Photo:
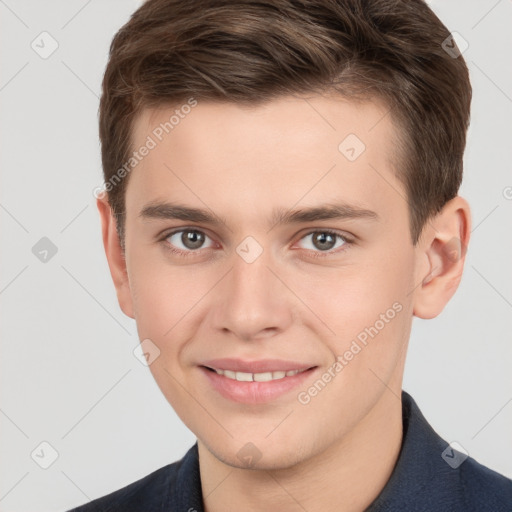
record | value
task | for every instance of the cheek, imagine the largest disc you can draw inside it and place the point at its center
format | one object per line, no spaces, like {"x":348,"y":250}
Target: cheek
{"x":167,"y":298}
{"x":380,"y":319}
{"x":157,"y":295}
{"x":369,"y":301}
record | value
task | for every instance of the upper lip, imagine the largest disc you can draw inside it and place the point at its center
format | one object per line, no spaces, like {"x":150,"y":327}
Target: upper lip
{"x":259,"y":366}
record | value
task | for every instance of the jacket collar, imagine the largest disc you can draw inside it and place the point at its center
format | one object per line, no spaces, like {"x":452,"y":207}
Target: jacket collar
{"x":419,"y":462}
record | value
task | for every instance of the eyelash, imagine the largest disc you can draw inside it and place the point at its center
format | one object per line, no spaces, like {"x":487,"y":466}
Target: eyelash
{"x":348,"y":242}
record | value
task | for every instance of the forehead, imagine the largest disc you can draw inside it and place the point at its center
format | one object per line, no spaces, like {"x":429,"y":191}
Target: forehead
{"x":247,"y":158}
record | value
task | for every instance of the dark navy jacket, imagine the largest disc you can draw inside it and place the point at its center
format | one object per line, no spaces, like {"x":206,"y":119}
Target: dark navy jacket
{"x":429,"y":476}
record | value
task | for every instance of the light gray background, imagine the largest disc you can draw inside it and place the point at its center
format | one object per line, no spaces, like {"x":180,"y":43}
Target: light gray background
{"x":68,"y":374}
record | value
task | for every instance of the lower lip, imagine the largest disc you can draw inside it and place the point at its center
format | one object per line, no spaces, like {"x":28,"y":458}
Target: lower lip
{"x":254,"y":392}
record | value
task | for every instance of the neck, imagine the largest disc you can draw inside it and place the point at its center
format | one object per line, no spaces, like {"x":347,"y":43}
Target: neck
{"x":345,"y":478}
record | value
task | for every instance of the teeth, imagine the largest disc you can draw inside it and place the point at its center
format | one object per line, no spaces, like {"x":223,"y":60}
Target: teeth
{"x":244,"y":377}
{"x":262,"y":377}
{"x":257,"y":377}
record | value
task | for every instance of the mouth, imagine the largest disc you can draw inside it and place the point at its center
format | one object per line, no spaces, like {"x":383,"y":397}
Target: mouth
{"x":256,"y":377}
{"x":256,"y":387}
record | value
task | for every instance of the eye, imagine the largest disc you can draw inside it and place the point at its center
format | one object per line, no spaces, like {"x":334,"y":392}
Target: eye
{"x":186,"y":240}
{"x":325,"y":241}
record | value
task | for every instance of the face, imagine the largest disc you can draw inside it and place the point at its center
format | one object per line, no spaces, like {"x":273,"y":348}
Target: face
{"x":265,"y":240}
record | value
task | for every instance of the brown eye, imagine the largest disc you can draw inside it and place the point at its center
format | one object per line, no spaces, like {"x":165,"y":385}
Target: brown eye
{"x":187,"y":239}
{"x":324,"y":241}
{"x":192,"y":239}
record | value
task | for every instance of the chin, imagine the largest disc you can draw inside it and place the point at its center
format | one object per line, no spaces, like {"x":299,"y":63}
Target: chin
{"x":257,"y":455}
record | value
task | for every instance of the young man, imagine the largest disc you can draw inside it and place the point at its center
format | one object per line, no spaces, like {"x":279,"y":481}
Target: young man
{"x":281,"y":200}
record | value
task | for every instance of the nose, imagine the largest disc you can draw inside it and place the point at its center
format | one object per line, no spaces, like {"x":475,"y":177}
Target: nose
{"x":252,"y":302}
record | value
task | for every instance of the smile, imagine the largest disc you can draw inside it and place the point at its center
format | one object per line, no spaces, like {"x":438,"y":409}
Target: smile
{"x":257,"y":377}
{"x":268,"y":381}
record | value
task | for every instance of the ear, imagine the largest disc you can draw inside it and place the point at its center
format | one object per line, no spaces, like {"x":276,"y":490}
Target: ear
{"x":441,"y":254}
{"x":115,"y":257}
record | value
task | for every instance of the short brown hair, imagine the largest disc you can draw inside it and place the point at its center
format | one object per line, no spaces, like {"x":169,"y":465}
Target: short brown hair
{"x":252,"y":51}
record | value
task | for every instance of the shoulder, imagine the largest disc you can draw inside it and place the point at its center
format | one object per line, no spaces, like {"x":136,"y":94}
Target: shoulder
{"x":151,"y":493}
{"x":145,"y":492}
{"x":430,"y":474}
{"x":483,"y":488}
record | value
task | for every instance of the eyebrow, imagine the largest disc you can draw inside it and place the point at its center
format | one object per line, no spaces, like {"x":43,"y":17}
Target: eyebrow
{"x":280,"y":216}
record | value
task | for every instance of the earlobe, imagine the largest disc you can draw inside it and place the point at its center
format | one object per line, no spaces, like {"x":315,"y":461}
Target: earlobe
{"x":443,"y":250}
{"x":115,"y":256}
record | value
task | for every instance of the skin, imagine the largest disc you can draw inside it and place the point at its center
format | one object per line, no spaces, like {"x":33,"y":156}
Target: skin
{"x":337,"y":451}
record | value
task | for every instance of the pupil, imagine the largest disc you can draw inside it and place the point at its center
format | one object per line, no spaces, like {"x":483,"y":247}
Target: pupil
{"x":321,"y":241}
{"x":192,"y":239}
